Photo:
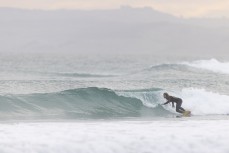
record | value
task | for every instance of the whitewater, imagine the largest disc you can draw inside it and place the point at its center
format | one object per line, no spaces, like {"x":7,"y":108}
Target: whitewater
{"x":102,"y":103}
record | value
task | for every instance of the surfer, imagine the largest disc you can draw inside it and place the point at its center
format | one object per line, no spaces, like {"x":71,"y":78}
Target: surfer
{"x":176,"y":100}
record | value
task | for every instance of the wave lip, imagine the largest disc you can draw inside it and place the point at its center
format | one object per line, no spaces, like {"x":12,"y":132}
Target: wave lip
{"x":211,"y":65}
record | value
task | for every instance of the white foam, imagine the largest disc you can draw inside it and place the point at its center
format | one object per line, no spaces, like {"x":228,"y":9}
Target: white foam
{"x":202,"y":102}
{"x":174,"y":136}
{"x":212,"y":65}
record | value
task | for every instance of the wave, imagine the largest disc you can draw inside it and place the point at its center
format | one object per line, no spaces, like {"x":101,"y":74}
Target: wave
{"x":68,"y":74}
{"x":211,"y":65}
{"x":170,"y":66}
{"x":101,"y":103}
{"x":83,"y":75}
{"x":83,"y":103}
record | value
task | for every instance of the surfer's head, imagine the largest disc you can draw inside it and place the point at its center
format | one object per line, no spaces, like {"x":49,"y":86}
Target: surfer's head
{"x":166,"y":95}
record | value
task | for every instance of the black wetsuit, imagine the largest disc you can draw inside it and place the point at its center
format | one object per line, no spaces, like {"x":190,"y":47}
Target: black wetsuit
{"x":178,"y":102}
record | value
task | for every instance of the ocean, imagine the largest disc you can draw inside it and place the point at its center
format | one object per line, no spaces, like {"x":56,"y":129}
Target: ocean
{"x":81,"y":103}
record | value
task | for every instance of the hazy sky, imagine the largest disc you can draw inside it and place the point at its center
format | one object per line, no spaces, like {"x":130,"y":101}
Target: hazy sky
{"x":186,"y":8}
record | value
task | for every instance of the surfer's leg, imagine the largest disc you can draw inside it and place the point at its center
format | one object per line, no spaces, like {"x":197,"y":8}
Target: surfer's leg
{"x":178,"y":107}
{"x":181,"y":107}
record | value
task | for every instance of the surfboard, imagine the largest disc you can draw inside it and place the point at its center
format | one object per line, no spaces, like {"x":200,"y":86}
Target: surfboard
{"x":187,"y":113}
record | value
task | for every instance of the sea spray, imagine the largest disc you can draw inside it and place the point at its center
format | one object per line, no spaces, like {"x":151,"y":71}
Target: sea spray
{"x":202,"y":102}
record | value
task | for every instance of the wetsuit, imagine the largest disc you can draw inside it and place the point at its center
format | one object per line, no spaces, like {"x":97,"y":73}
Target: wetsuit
{"x":178,"y":102}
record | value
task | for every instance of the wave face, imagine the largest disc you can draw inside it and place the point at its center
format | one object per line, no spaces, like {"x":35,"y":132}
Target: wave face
{"x":211,"y":65}
{"x":101,"y":103}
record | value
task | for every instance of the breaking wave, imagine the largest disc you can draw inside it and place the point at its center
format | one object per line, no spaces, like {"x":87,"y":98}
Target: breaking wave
{"x":102,"y":103}
{"x":77,"y":103}
{"x":210,"y":65}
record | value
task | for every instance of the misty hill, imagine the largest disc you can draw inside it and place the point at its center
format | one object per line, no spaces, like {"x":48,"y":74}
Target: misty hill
{"x":122,"y":30}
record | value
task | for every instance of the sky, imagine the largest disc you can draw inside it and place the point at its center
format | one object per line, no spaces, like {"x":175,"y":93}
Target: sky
{"x":184,"y":8}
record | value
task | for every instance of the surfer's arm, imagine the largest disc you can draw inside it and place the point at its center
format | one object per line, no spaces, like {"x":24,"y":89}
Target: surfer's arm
{"x":173,"y":104}
{"x":166,"y":103}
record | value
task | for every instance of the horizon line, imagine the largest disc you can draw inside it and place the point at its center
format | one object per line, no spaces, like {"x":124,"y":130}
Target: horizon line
{"x":110,"y":9}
